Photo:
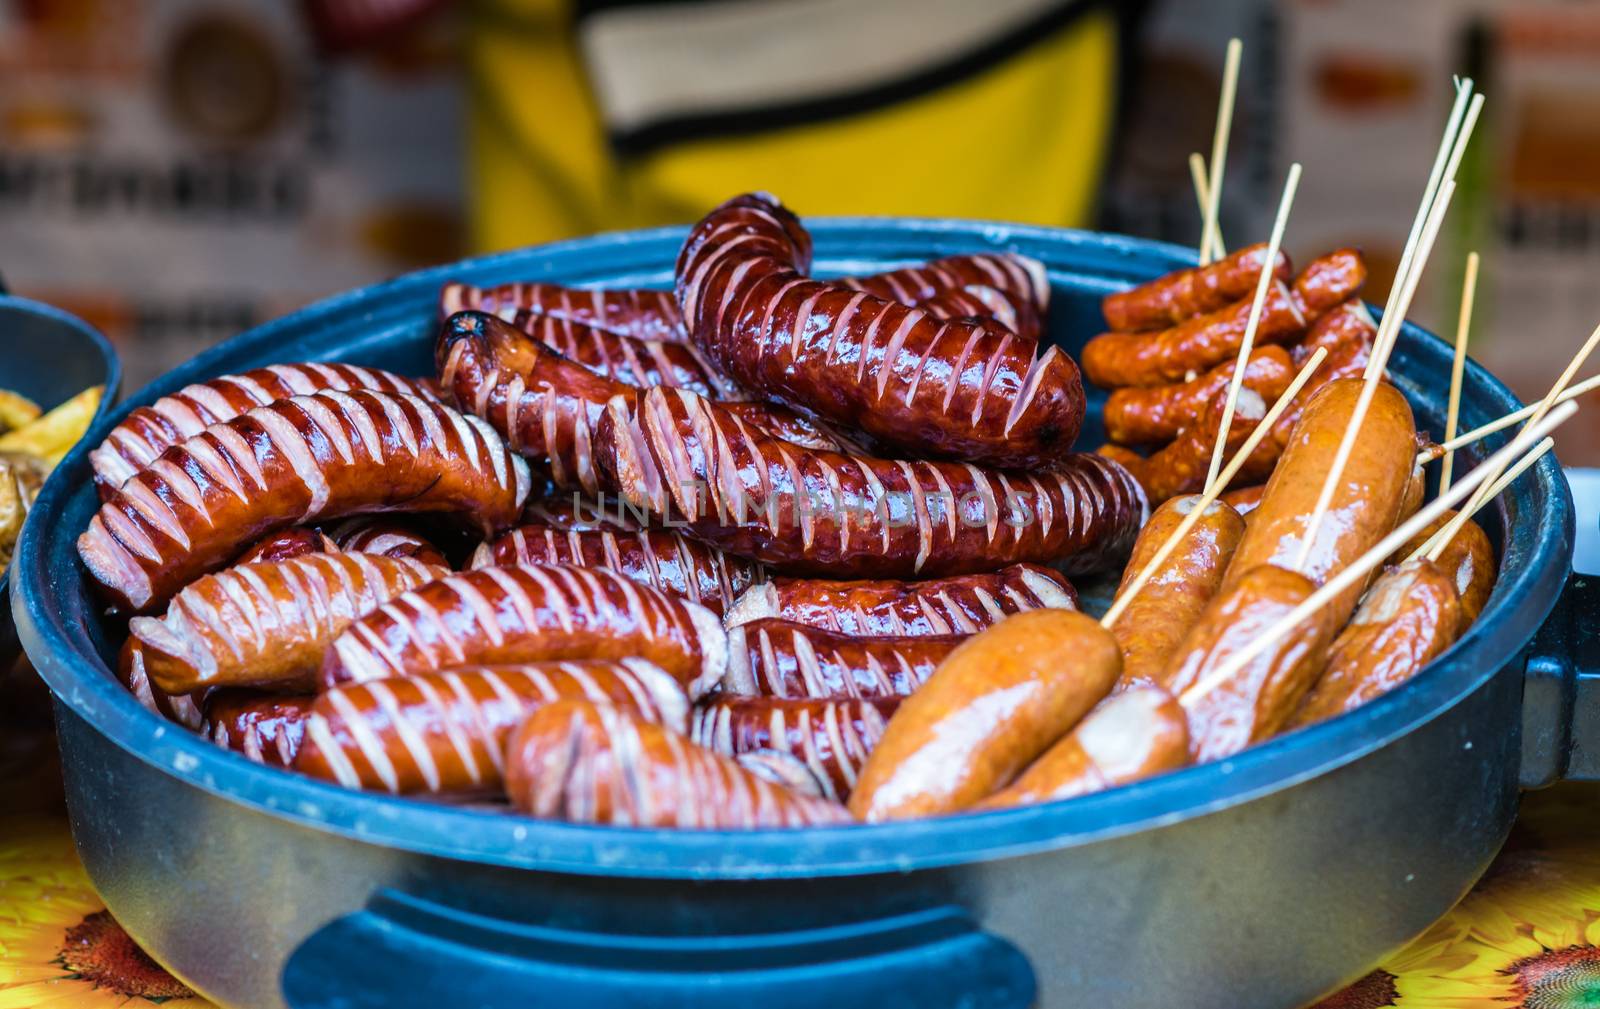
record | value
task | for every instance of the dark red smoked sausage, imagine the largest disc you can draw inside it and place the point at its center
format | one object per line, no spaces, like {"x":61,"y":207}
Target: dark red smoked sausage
{"x":831,"y":737}
{"x":964,"y":604}
{"x":287,"y":544}
{"x":776,"y":658}
{"x":288,"y":463}
{"x":962,"y":389}
{"x":1145,"y":416}
{"x":385,"y":537}
{"x":660,"y":559}
{"x":831,"y":513}
{"x":1183,"y":294}
{"x":639,"y":363}
{"x":266,"y":728}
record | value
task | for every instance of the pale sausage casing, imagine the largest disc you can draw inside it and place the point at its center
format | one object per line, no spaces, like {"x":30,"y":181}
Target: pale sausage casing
{"x":988,"y":711}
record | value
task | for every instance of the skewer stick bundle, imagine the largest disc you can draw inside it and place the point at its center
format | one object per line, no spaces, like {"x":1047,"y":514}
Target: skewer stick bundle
{"x":1501,"y":423}
{"x":1469,"y":288}
{"x":1219,"y":147}
{"x":1197,"y":174}
{"x":1434,"y":548}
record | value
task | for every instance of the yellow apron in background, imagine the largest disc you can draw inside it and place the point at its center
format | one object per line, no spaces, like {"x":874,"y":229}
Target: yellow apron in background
{"x":607,"y":115}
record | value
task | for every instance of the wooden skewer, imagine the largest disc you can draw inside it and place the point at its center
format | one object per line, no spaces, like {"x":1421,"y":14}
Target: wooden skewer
{"x":1214,"y":491}
{"x":1550,"y":397}
{"x":1219,"y":146}
{"x":1469,"y":290}
{"x":1377,"y":555}
{"x":1434,"y":548}
{"x":1263,"y":284}
{"x":1197,"y":174}
{"x":1436,"y":178}
{"x":1380,"y":356}
{"x":1501,"y":423}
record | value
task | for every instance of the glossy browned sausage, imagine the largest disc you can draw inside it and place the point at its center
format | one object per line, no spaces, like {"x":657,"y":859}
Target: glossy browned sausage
{"x":1409,"y":616}
{"x":445,"y":733}
{"x":265,"y":728}
{"x":990,"y":709}
{"x":980,"y":301}
{"x":631,"y":361}
{"x":1180,"y":467}
{"x":965,"y":389}
{"x":150,"y":430}
{"x":291,"y":462}
{"x":286,"y":544}
{"x":1245,"y":500}
{"x":1254,"y":703}
{"x":963,"y":604}
{"x":658,"y":558}
{"x":1020,"y":279}
{"x":588,"y":763}
{"x":776,"y":658}
{"x":532,"y":613}
{"x":1156,"y":621}
{"x":573,"y":511}
{"x":1129,"y":736}
{"x":844,"y":515}
{"x":1366,"y":501}
{"x":1145,"y":416}
{"x":830,"y":736}
{"x":1183,"y":294}
{"x":386,"y":537}
{"x":545,"y":405}
{"x":180,"y":708}
{"x":1329,"y":280}
{"x":267,"y":625}
{"x":1468,"y":561}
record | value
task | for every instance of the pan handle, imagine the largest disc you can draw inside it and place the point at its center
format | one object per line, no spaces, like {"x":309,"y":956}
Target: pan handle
{"x":1561,"y":691}
{"x":404,"y":950}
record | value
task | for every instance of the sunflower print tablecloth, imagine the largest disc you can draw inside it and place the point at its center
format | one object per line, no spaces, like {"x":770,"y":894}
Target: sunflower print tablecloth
{"x":1528,"y":936}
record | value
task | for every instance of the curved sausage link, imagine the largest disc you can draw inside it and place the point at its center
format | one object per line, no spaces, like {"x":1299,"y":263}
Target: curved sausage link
{"x":633,"y":312}
{"x":1145,"y":416}
{"x":589,"y":763}
{"x":1329,"y":280}
{"x":1198,"y":290}
{"x":291,"y":462}
{"x":831,"y":737}
{"x":1129,"y":736}
{"x":962,"y":389}
{"x":533,"y":613}
{"x":266,"y":625}
{"x":571,"y":511}
{"x":385,"y":537}
{"x":839,"y":514}
{"x":445,"y":733}
{"x":660,"y":559}
{"x":1407,"y":619}
{"x":287,"y":544}
{"x":181,"y":708}
{"x":1180,"y":467}
{"x":963,"y":604}
{"x":150,"y":430}
{"x":1253,"y":704}
{"x":776,"y":658}
{"x":639,"y":363}
{"x":1468,"y":561}
{"x":265,"y":728}
{"x":545,"y":405}
{"x":1156,"y":621}
{"x":993,"y":706}
{"x":979,"y":301}
{"x":1020,"y":279}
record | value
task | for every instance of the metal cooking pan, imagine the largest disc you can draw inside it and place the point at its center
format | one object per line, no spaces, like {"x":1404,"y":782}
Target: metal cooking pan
{"x":1265,"y":880}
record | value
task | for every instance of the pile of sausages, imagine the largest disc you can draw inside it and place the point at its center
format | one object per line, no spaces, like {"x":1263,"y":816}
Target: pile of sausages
{"x":628,"y":557}
{"x":1174,"y":347}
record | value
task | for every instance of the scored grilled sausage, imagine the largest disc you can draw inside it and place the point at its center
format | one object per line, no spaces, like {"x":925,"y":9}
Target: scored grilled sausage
{"x":286,"y":544}
{"x":1365,"y":504}
{"x":631,"y":361}
{"x":1254,"y":703}
{"x":777,"y":658}
{"x":150,"y":430}
{"x":980,"y":301}
{"x":660,"y":559}
{"x":1152,"y":626}
{"x":445,"y":733}
{"x":966,"y":389}
{"x":830,"y":736}
{"x":654,"y":315}
{"x":264,"y":728}
{"x":990,"y":709}
{"x":293,"y":461}
{"x":531,"y":613}
{"x":545,"y":405}
{"x":964,"y":604}
{"x":839,"y":514}
{"x":571,"y":511}
{"x":1198,"y":290}
{"x":267,"y":625}
{"x":1129,"y":736}
{"x":1144,"y":416}
{"x":1115,"y":360}
{"x":385,"y":537}
{"x":589,"y":763}
{"x":1468,"y":561}
{"x":181,"y":708}
{"x":1407,"y":619}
